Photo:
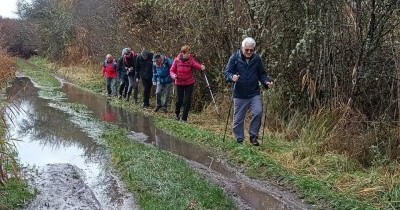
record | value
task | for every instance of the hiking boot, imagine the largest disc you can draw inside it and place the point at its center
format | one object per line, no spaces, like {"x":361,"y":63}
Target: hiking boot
{"x":165,"y":110}
{"x":253,"y":140}
{"x":177,"y":117}
{"x":239,"y":141}
{"x":157,"y":108}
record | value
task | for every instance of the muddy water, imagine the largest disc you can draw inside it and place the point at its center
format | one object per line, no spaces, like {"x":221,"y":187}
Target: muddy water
{"x":45,"y":136}
{"x":49,"y":137}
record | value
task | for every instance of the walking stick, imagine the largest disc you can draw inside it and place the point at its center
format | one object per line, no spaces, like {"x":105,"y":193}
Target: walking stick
{"x":265,"y":118}
{"x":265,"y":115}
{"x":229,"y":112}
{"x":212,"y":96}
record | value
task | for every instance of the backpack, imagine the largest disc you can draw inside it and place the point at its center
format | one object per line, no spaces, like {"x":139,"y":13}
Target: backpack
{"x":113,"y":63}
{"x":167,"y":62}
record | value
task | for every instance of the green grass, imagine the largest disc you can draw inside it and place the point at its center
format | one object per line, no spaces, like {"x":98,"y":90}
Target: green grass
{"x":160,"y":180}
{"x":14,"y":194}
{"x":257,"y":163}
{"x":39,"y":70}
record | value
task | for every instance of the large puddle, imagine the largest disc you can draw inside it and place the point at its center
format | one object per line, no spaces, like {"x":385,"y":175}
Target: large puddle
{"x":48,"y":136}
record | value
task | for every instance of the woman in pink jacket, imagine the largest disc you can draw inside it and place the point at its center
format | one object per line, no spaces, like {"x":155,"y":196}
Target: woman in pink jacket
{"x":182,"y":72}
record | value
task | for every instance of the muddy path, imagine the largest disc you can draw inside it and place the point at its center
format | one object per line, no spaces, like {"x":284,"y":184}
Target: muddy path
{"x":64,"y":161}
{"x":59,"y":133}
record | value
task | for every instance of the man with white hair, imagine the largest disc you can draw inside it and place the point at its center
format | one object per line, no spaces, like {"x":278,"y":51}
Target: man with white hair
{"x":246,"y":69}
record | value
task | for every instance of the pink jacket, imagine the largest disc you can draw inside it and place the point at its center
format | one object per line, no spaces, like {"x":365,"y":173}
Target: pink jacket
{"x":182,"y":70}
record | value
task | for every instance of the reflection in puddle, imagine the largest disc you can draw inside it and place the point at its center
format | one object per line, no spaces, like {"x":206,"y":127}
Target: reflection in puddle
{"x":47,"y":135}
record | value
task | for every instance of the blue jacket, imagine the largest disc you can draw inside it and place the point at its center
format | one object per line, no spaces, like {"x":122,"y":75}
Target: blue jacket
{"x":161,"y":74}
{"x":250,"y":72}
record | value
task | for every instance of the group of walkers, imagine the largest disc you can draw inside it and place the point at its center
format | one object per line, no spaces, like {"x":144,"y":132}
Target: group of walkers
{"x":153,"y":70}
{"x":244,"y":70}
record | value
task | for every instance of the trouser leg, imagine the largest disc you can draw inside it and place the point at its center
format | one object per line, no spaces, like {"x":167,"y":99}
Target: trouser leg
{"x":179,"y":99}
{"x":159,"y":90}
{"x":257,"y":111}
{"x":239,"y":114}
{"x":165,"y":93}
{"x":187,"y":101}
{"x":147,"y":84}
{"x":108,"y":85}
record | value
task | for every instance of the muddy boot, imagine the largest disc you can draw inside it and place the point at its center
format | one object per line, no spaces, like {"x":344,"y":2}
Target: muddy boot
{"x":253,"y":140}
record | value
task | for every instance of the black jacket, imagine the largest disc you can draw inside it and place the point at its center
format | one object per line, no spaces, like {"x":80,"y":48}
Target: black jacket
{"x":125,"y":64}
{"x":144,"y":68}
{"x":251,"y":73}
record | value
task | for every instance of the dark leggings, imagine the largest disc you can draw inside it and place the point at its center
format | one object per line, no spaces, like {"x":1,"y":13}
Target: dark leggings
{"x":147,"y":84}
{"x":184,"y":97}
{"x":132,"y":85}
{"x":123,"y":87}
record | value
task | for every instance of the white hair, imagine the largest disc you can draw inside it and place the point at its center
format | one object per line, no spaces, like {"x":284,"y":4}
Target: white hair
{"x":248,"y":41}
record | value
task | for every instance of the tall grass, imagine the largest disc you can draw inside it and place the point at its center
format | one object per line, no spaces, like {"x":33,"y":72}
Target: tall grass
{"x":13,"y":190}
{"x":7,"y":71}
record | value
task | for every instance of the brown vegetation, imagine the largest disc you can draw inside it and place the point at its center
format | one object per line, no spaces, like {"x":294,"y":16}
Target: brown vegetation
{"x":7,"y":71}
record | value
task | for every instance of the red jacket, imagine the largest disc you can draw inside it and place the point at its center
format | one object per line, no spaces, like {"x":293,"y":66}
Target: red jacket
{"x":182,"y":70}
{"x":109,"y":69}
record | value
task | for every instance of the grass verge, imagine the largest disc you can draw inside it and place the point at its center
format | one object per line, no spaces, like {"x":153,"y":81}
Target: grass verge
{"x":40,"y":70}
{"x":14,"y":194}
{"x":161,"y":180}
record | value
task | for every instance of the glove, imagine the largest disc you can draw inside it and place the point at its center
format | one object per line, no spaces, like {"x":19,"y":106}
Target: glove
{"x":154,"y":83}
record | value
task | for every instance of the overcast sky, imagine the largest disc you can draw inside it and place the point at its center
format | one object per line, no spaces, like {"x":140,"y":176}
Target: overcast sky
{"x":8,"y":8}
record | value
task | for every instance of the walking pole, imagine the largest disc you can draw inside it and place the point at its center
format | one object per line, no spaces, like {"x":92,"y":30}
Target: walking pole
{"x":229,"y":112}
{"x":173,"y":96}
{"x":265,"y":115}
{"x":212,"y":96}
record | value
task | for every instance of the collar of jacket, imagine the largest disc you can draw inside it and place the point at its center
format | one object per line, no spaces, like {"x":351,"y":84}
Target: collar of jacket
{"x":240,"y":57}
